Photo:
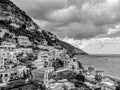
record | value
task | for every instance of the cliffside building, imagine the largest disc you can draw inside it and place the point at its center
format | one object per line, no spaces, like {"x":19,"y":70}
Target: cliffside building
{"x":24,"y":41}
{"x":42,"y":75}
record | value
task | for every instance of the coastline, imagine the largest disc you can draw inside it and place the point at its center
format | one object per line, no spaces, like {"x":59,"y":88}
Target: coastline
{"x":109,"y":64}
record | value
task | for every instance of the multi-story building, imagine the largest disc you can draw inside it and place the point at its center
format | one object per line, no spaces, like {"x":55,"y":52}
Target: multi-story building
{"x":22,"y":70}
{"x":43,"y":75}
{"x":24,"y":41}
{"x":2,"y":31}
{"x":13,"y":74}
{"x":3,"y":55}
{"x":9,"y":66}
{"x":74,"y":64}
{"x":43,"y":48}
{"x":7,"y":58}
{"x":2,"y":63}
{"x":8,"y":45}
{"x":45,"y":42}
{"x":36,"y":52}
{"x":24,"y":50}
{"x":38,"y":63}
{"x":43,"y":54}
{"x":10,"y":58}
{"x":47,"y":48}
{"x":62,"y":73}
{"x":15,"y":25}
{"x":30,"y":26}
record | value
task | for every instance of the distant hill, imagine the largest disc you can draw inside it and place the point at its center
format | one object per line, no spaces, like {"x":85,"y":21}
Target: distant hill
{"x":112,"y":35}
{"x":73,"y":50}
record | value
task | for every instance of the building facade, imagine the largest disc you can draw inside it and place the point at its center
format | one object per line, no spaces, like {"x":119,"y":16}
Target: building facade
{"x":42,"y":75}
{"x":13,"y":74}
{"x":24,"y":41}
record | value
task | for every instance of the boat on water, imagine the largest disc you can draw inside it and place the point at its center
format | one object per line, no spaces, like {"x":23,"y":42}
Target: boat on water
{"x":103,"y":46}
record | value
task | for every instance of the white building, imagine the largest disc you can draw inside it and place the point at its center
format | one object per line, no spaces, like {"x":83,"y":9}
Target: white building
{"x":43,"y":54}
{"x":2,"y":63}
{"x":12,"y":74}
{"x":42,"y":75}
{"x":24,"y":41}
{"x":2,"y":31}
{"x":8,"y":45}
{"x":24,"y":50}
{"x":6,"y":58}
{"x":39,"y":63}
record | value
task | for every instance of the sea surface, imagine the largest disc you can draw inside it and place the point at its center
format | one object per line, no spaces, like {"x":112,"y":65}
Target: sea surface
{"x":109,"y":64}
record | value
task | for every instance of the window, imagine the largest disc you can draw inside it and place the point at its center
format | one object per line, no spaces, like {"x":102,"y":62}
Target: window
{"x":6,"y":75}
{"x":1,"y":75}
{"x":12,"y":74}
{"x":1,"y":66}
{"x":6,"y":79}
{"x":5,"y":59}
{"x":2,"y":62}
{"x":15,"y":73}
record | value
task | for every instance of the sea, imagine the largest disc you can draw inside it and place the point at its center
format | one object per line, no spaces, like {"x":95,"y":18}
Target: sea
{"x":110,"y":65}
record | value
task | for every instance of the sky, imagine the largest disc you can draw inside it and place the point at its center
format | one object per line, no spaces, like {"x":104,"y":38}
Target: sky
{"x":75,"y":19}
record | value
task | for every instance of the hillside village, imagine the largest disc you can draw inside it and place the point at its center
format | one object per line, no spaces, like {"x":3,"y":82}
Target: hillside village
{"x":45,"y":65}
{"x":21,"y":61}
{"x":33,"y":59}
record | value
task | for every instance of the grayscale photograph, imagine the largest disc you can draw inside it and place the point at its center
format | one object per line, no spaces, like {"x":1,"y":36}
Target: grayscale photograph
{"x":59,"y":44}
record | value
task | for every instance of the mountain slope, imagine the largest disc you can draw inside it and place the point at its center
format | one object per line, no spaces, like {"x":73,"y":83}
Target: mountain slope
{"x":72,"y":50}
{"x":15,"y":22}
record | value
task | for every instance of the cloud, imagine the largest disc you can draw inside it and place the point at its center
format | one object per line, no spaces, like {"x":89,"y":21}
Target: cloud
{"x":75,"y":19}
{"x":63,"y":15}
{"x":76,"y":43}
{"x":38,"y":9}
{"x":98,"y":13}
{"x":79,"y":30}
{"x":114,"y":30}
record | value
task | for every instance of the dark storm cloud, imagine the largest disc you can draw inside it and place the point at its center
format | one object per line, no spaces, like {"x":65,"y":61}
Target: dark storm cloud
{"x":79,"y":31}
{"x":73,"y":18}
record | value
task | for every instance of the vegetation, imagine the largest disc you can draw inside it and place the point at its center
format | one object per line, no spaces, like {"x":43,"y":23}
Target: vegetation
{"x":58,"y":64}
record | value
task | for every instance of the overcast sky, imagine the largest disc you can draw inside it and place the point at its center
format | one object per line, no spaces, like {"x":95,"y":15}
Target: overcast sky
{"x":75,"y":19}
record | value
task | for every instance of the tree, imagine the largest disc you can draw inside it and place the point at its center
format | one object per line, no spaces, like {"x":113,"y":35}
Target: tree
{"x":118,"y":86}
{"x":58,"y":64}
{"x":80,"y":65}
{"x":71,"y":75}
{"x":80,"y":77}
